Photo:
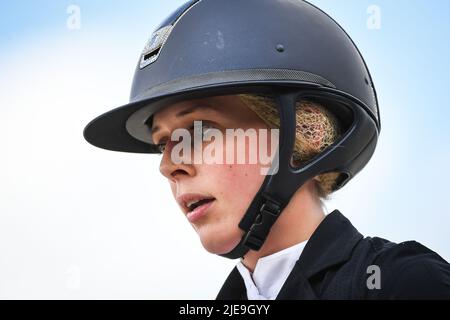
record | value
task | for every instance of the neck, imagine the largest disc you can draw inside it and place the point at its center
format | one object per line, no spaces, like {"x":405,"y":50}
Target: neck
{"x":297,"y":222}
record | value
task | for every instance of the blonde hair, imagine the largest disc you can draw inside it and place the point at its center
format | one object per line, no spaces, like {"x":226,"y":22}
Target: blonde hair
{"x":317,"y":129}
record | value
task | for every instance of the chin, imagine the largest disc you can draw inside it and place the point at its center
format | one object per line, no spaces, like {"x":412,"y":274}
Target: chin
{"x":219,"y":244}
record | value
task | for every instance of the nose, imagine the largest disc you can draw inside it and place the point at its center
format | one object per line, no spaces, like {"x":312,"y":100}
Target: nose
{"x":174,"y":170}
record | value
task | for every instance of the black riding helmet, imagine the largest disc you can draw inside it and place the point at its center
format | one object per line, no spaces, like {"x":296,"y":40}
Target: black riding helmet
{"x":288,"y":49}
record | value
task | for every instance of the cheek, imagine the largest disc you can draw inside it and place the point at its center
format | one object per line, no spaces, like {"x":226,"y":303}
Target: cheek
{"x":236,"y":185}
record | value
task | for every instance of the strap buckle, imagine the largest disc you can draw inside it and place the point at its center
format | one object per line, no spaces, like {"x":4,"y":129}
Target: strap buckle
{"x":259,"y":230}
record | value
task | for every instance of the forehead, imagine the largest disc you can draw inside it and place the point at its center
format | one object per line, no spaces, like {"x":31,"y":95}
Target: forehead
{"x":224,"y":105}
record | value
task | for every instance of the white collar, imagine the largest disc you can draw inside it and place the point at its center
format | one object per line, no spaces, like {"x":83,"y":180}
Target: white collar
{"x":270,"y":272}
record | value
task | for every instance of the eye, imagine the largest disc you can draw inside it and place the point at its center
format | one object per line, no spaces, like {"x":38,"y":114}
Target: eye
{"x":161,"y":147}
{"x":206,"y":126}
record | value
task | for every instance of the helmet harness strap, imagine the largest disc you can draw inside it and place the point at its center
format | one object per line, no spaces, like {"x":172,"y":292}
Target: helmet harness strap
{"x":277,"y":189}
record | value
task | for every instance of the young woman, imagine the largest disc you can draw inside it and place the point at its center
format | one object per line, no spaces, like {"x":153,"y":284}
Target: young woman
{"x":222,"y":77}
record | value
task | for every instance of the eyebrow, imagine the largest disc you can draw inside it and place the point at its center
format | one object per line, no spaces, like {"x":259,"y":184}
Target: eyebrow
{"x":179,"y":114}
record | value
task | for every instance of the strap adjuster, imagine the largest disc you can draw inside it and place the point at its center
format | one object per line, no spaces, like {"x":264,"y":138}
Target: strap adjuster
{"x":259,"y":230}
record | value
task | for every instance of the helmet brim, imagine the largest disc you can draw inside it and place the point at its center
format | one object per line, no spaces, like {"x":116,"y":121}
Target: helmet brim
{"x":128,"y":128}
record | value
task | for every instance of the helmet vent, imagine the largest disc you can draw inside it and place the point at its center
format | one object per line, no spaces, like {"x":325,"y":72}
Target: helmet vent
{"x":151,"y":55}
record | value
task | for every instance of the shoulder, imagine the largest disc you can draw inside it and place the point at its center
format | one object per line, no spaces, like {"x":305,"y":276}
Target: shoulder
{"x":409,"y":270}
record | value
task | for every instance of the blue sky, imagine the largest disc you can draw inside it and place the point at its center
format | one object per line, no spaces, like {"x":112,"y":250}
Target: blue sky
{"x":67,"y":225}
{"x":410,"y":48}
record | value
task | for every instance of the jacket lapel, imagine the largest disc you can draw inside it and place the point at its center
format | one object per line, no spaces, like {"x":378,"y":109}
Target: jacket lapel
{"x":296,"y":287}
{"x":331,"y":244}
{"x":233,"y":288}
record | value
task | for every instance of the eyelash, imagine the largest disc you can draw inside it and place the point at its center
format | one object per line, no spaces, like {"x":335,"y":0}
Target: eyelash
{"x":162,"y":146}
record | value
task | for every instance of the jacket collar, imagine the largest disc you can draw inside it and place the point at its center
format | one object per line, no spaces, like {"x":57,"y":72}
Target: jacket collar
{"x":331,"y":244}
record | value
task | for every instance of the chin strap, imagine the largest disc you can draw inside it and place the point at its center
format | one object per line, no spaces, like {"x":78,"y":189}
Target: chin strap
{"x":267,"y":206}
{"x":254,"y":238}
{"x":277,"y":189}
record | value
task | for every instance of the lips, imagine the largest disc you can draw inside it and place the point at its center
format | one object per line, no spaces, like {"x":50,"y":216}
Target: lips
{"x":200,"y":211}
{"x":192,"y":202}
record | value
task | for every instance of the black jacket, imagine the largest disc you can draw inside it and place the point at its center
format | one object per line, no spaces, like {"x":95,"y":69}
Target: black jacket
{"x":339,"y":263}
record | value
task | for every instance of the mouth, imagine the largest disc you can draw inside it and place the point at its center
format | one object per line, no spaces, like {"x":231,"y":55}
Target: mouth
{"x":195,"y":206}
